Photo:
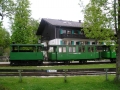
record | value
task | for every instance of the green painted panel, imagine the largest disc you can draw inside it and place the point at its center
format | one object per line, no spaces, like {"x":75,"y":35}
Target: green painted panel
{"x":113,"y":54}
{"x":62,"y":56}
{"x":105,"y":54}
{"x":26,"y":56}
{"x":52,"y":56}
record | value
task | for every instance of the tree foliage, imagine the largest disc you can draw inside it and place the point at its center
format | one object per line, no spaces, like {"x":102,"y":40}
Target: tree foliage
{"x":23,"y":26}
{"x":98,"y":24}
{"x":4,"y":39}
{"x":102,"y":17}
{"x":33,"y":24}
{"x":6,"y":8}
{"x":20,"y":25}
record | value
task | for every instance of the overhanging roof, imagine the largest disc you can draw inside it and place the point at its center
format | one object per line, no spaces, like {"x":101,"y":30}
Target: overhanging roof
{"x":56,"y":22}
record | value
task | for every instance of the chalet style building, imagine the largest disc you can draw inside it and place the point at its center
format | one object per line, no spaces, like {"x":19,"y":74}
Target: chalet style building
{"x":62,"y":32}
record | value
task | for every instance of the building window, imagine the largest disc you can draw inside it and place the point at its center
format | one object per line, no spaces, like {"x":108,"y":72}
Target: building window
{"x":78,"y":43}
{"x":88,"y":43}
{"x":76,"y":32}
{"x":72,"y":42}
{"x":81,"y":32}
{"x":68,"y":32}
{"x":63,"y":42}
{"x":62,"y":31}
{"x":93,"y":43}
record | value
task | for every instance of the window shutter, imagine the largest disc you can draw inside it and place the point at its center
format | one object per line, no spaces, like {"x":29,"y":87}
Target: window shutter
{"x":61,"y":42}
{"x":79,"y":42}
{"x":72,"y":31}
{"x":79,"y":32}
{"x":72,"y":42}
{"x":61,"y":31}
{"x":88,"y":43}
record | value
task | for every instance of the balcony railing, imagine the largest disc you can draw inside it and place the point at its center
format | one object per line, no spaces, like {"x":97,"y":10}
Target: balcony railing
{"x":73,"y":36}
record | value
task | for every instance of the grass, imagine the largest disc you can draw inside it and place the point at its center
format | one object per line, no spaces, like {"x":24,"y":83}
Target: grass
{"x":57,"y":83}
{"x":61,"y":67}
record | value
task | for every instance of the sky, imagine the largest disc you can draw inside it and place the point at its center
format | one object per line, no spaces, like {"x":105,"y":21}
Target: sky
{"x":54,"y":9}
{"x":57,"y":9}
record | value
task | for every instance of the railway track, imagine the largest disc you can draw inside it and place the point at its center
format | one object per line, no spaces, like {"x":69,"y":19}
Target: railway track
{"x":69,"y":72}
{"x":60,"y":63}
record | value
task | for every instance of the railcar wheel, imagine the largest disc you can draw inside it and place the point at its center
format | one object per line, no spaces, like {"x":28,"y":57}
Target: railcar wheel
{"x":80,"y":62}
{"x":66,"y":62}
{"x":111,"y":60}
{"x":11,"y":63}
{"x":85,"y":61}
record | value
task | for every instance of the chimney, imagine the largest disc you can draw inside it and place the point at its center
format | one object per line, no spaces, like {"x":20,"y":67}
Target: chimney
{"x":79,"y":21}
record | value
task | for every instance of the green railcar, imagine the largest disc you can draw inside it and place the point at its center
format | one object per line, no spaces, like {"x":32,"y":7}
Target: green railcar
{"x":108,"y":53}
{"x":22,"y":54}
{"x":80,"y":53}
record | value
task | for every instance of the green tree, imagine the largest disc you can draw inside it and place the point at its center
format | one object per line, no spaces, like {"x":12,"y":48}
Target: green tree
{"x":4,"y":39}
{"x":20,"y":24}
{"x":99,"y":22}
{"x":33,"y":26}
{"x":6,"y":8}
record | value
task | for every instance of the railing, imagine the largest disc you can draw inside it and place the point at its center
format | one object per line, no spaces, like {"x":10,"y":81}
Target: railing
{"x":72,"y":36}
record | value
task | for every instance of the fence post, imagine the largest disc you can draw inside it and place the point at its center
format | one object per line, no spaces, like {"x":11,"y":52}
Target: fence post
{"x":65,"y":78}
{"x":106,"y":73}
{"x":20,"y":76}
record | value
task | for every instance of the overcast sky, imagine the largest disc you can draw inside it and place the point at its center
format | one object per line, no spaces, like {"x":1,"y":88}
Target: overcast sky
{"x":55,"y":9}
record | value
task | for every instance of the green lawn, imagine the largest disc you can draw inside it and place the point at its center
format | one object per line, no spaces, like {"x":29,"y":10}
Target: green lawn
{"x":62,"y":67}
{"x":57,"y":83}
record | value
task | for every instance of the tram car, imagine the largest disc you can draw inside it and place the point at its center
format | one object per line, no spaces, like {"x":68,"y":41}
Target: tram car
{"x":81,"y":53}
{"x":108,"y":53}
{"x":26,"y":54}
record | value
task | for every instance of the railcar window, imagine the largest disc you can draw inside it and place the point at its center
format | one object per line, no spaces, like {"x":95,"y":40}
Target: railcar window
{"x":90,"y":49}
{"x":64,"y":49}
{"x":72,"y":49}
{"x":79,"y":49}
{"x":27,"y":49}
{"x":83,"y":49}
{"x":99,"y":48}
{"x":60,"y":49}
{"x":14,"y":49}
{"x":106,"y":48}
{"x":39,"y":49}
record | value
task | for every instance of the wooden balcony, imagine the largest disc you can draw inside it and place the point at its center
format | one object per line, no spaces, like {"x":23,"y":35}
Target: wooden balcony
{"x":72,"y":36}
